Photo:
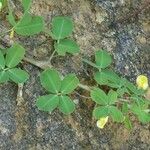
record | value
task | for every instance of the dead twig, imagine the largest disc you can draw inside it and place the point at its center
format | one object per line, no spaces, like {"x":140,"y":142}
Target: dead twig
{"x":20,"y":94}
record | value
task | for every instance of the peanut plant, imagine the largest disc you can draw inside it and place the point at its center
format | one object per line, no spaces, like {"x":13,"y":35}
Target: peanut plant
{"x":118,"y":103}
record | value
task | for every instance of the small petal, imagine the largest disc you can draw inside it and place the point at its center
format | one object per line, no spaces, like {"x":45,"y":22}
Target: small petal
{"x":142,"y":82}
{"x":101,"y":122}
{"x":12,"y":34}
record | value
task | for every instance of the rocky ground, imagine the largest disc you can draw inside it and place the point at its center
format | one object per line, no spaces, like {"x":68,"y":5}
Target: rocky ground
{"x":121,"y":27}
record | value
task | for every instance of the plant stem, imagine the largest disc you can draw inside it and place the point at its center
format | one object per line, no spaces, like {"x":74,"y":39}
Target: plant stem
{"x":41,"y":64}
{"x":44,"y":65}
{"x":85,"y":87}
{"x":85,"y":97}
{"x":124,"y":100}
{"x":52,"y":55}
{"x":91,"y":64}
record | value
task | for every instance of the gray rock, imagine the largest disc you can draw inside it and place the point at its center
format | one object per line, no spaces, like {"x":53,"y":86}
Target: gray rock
{"x":24,"y":127}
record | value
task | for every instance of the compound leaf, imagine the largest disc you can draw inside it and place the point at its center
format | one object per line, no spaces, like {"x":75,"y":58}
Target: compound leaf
{"x":47,"y":102}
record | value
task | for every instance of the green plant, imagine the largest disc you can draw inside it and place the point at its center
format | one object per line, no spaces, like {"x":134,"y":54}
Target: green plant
{"x":27,"y":24}
{"x":114,"y":96}
{"x":130,"y":98}
{"x":59,"y":89}
{"x":8,"y":70}
{"x":106,"y":103}
{"x":62,"y":27}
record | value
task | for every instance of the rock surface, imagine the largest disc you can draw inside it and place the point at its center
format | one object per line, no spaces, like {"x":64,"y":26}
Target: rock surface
{"x":98,"y":24}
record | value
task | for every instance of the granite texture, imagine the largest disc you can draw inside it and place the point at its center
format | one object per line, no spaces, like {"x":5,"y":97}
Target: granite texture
{"x":99,"y":24}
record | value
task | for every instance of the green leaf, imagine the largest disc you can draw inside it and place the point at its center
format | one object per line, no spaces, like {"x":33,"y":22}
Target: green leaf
{"x":47,"y":102}
{"x":103,"y":59}
{"x":127,"y":123}
{"x":142,"y":115}
{"x":116,"y":114}
{"x":35,"y":26}
{"x":61,"y":27}
{"x":113,"y":77}
{"x":50,"y":80}
{"x":67,"y":45}
{"x":112,"y":97}
{"x":133,"y":89}
{"x":18,"y":75}
{"x":101,"y":78}
{"x":11,"y":18}
{"x":109,"y":78}
{"x":69,"y":83}
{"x":90,"y":63}
{"x":14,"y":55}
{"x":2,"y":60}
{"x":99,"y":96}
{"x":66,"y":105}
{"x":26,"y":19}
{"x":122,"y":91}
{"x":3,"y":76}
{"x":125,"y":107}
{"x":100,"y":112}
{"x":26,"y":4}
{"x":60,"y":52}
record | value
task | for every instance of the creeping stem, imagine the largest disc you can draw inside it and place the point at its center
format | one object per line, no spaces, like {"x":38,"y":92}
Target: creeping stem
{"x":85,"y":87}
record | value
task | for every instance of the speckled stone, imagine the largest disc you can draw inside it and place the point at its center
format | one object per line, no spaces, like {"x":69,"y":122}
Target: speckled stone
{"x":24,"y":127}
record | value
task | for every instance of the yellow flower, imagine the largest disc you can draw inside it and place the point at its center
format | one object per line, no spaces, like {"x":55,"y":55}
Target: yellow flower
{"x":142,"y":82}
{"x":12,"y":34}
{"x":101,"y":122}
